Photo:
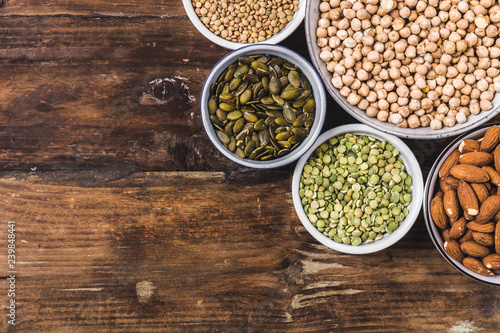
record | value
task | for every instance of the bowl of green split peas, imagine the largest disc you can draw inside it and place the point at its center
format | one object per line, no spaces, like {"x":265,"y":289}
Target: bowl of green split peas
{"x":357,"y":190}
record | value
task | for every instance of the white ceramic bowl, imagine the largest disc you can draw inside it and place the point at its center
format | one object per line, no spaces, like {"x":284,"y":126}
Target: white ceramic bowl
{"x":431,"y":183}
{"x":292,"y":57}
{"x":311,"y":21}
{"x":275,"y":39}
{"x":413,"y":170}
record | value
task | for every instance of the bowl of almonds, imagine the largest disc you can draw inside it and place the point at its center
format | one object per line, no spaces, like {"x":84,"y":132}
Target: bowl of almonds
{"x":262,"y":106}
{"x":414,"y":69}
{"x":232,"y":24}
{"x":462,"y":204}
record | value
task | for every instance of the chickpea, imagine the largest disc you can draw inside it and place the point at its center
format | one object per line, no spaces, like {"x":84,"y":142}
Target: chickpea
{"x":364,"y":90}
{"x":475,"y":93}
{"x":395,"y":118}
{"x":371,"y":111}
{"x":382,"y":115}
{"x":324,"y":7}
{"x":436,"y":124}
{"x":345,"y":91}
{"x":363,"y":104}
{"x":449,"y":121}
{"x":353,"y":98}
{"x":367,"y":66}
{"x":461,"y":118}
{"x":403,"y":101}
{"x":486,"y":95}
{"x":413,"y":121}
{"x":485,"y":105}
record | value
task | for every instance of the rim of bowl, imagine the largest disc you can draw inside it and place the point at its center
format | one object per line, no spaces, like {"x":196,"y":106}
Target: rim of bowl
{"x":412,"y":166}
{"x":306,"y":68}
{"x":298,"y":17}
{"x":430,"y":184}
{"x":409,"y":133}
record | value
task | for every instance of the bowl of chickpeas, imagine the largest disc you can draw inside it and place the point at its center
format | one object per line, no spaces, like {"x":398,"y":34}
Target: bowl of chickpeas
{"x":415,"y":69}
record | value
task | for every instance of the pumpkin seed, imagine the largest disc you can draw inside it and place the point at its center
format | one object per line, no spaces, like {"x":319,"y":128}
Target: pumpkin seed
{"x":274,"y":85}
{"x":289,"y":114}
{"x":264,"y":136}
{"x":228,"y":107}
{"x":212,"y":105}
{"x":251,"y":117}
{"x":234,"y":115}
{"x":260,"y":124}
{"x":221,"y":115}
{"x":238,"y":125}
{"x":282,"y":136}
{"x":246,"y":96}
{"x":290,"y":94}
{"x":227,"y":97}
{"x":309,"y":106}
{"x":235,"y":83}
{"x":223,"y":137}
{"x":241,"y":71}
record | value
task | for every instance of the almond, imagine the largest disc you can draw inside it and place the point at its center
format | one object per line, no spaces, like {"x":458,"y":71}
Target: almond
{"x":437,"y":211}
{"x":467,"y":198}
{"x":473,"y":249}
{"x":487,"y":227}
{"x":492,"y":261}
{"x":496,"y":218}
{"x":467,"y":237}
{"x":489,"y":208}
{"x":494,"y":175}
{"x":469,"y":173}
{"x":450,"y":161}
{"x":490,"y":139}
{"x":443,"y":185}
{"x":451,"y":205}
{"x":497,"y":238}
{"x":477,"y":266}
{"x":452,"y":182}
{"x":496,"y":158}
{"x":468,"y":146}
{"x":453,"y":249}
{"x":468,"y":216}
{"x":483,"y":238}
{"x":481,"y":192}
{"x":476,"y":158}
{"x":446,"y":234}
{"x":458,"y":229}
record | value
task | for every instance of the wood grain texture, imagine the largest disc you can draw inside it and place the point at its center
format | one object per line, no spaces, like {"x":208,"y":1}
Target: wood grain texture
{"x":172,"y":250}
{"x":129,"y":220}
{"x":132,"y":8}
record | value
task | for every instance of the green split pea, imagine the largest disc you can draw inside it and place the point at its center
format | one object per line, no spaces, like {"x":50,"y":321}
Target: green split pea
{"x":355,"y":189}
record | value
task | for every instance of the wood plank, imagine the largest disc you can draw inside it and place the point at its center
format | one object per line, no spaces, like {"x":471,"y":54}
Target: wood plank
{"x":199,"y":251}
{"x":93,"y":8}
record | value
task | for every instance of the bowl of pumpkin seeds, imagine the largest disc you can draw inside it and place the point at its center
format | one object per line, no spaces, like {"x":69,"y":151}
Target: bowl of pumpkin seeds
{"x":357,"y":190}
{"x":263,"y":106}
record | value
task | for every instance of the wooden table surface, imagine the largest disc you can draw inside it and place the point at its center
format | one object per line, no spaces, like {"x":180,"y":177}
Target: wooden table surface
{"x":128,"y":220}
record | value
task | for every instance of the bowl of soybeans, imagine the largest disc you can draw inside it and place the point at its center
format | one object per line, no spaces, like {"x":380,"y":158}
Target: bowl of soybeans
{"x":415,"y":69}
{"x":235,"y":24}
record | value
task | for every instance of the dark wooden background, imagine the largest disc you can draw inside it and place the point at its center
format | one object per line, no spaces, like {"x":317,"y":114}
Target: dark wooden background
{"x":129,"y":220}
